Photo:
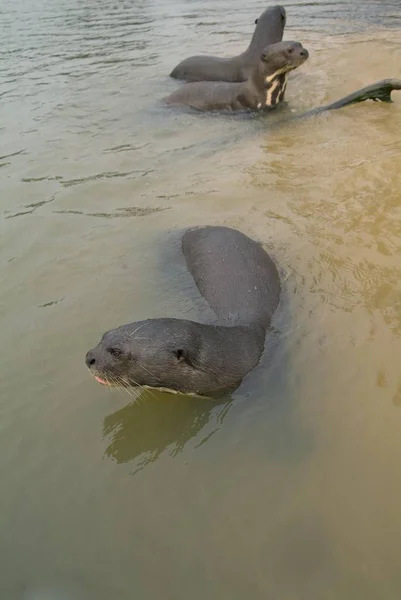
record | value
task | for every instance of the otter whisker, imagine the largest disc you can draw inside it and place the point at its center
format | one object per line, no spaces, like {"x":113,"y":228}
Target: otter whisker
{"x":147,"y":370}
{"x":116,"y":385}
{"x":111,"y":381}
{"x":137,"y":329}
{"x":125,"y":386}
{"x":141,"y":387}
{"x":148,"y":390}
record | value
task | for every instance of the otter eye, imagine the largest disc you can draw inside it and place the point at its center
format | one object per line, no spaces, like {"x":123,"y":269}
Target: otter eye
{"x":290,"y":50}
{"x":114,"y":352}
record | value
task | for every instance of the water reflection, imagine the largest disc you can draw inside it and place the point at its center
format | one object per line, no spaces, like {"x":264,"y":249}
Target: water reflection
{"x":158,"y":421}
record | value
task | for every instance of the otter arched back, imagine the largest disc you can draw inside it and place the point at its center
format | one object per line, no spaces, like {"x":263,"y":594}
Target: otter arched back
{"x":269,"y":30}
{"x":240,"y":282}
{"x":234,"y":274}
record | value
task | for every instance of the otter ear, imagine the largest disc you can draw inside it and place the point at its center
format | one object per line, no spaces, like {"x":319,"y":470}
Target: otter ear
{"x":256,"y":21}
{"x":183,"y":355}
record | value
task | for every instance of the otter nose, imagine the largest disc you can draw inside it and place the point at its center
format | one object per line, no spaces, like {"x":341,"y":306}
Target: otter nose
{"x":90,"y":359}
{"x":304,"y":52}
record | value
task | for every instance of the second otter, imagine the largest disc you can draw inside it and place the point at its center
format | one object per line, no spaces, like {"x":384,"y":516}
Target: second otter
{"x":263,"y":89}
{"x":269,"y":30}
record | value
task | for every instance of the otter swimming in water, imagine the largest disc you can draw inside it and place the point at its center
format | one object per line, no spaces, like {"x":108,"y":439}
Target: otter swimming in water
{"x":241,"y":284}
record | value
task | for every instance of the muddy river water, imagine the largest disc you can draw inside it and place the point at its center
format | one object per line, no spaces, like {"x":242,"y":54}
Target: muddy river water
{"x":291,"y":489}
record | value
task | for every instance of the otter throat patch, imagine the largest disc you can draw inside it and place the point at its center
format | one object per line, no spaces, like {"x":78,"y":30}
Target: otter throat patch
{"x":275,"y":89}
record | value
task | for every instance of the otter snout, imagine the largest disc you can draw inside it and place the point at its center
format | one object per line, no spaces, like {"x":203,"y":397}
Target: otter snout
{"x":97,"y":363}
{"x":90,"y":359}
{"x":98,"y":358}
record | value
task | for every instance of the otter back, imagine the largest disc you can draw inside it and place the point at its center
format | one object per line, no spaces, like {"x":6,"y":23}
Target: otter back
{"x":234,"y":274}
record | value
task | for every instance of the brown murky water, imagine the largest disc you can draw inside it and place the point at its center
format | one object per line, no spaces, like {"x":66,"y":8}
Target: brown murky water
{"x":291,"y":490}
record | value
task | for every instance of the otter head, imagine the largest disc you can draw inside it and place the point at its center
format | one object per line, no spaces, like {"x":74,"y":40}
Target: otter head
{"x":270,"y":75}
{"x":158,"y":353}
{"x":278,"y":59}
{"x":269,"y":30}
{"x":274,"y":12}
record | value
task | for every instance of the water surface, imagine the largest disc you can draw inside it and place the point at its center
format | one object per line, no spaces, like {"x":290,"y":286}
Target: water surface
{"x":291,"y":489}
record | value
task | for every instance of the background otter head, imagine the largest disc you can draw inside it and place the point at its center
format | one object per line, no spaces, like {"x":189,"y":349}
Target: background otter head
{"x":269,"y":30}
{"x":281,"y":58}
{"x":275,"y":10}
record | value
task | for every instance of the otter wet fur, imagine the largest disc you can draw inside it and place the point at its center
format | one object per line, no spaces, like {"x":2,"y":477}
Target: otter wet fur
{"x":269,"y":30}
{"x":264,"y":89}
{"x":241,"y":284}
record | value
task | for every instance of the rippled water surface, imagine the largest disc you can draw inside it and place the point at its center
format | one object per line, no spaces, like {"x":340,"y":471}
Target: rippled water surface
{"x":291,"y":490}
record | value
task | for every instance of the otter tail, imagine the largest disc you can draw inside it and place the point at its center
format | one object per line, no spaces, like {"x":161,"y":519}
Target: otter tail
{"x":378,"y":92}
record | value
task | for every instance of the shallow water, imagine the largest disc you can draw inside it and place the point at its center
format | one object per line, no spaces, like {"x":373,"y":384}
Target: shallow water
{"x":291,"y":490}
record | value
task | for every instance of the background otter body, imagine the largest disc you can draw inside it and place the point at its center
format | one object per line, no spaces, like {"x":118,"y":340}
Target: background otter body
{"x":269,"y":30}
{"x":264,"y":88}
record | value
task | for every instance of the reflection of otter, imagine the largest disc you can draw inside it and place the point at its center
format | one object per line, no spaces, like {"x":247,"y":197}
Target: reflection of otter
{"x":156,"y":420}
{"x":269,"y":30}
